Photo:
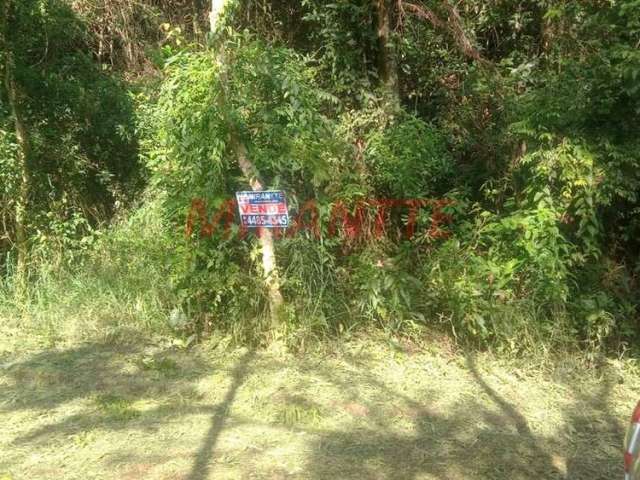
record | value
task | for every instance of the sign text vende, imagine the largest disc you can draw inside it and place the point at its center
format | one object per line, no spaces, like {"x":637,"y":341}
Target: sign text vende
{"x":263,"y":209}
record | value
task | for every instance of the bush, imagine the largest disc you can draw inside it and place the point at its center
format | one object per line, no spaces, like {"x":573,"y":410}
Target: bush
{"x":409,"y":159}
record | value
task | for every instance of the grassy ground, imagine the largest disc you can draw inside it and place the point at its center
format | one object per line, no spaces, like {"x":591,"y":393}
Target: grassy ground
{"x":359,"y":410}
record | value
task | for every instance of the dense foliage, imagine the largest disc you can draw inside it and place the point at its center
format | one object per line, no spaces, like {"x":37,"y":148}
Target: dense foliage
{"x":83,"y":152}
{"x":512,"y":127}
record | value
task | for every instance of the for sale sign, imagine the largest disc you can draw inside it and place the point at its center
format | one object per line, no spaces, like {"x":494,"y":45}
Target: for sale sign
{"x":263,"y":209}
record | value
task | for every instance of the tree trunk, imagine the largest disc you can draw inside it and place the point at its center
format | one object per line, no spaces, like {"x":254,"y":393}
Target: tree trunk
{"x":250,"y":173}
{"x":269,"y":265}
{"x":217,"y":8}
{"x":22,"y":157}
{"x":387,"y":63}
{"x":195,"y":21}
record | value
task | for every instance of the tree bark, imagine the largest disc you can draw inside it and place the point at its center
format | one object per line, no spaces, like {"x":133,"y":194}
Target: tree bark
{"x":387,"y":62}
{"x":250,"y":173}
{"x":269,"y":264}
{"x":14,"y":97}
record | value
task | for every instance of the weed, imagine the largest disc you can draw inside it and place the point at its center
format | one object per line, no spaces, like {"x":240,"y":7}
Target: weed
{"x":166,"y":366}
{"x":117,"y":408}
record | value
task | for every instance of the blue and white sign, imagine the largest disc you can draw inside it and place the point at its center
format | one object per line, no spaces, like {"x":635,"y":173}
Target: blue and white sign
{"x":263,"y":209}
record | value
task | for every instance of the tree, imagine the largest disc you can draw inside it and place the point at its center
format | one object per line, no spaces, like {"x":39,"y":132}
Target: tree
{"x":14,"y":96}
{"x":387,"y":64}
{"x":251,"y":174}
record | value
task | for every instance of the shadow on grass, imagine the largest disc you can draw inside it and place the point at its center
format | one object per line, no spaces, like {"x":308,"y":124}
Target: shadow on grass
{"x":590,"y":416}
{"x":107,"y":379}
{"x":201,"y":465}
{"x":481,"y":436}
{"x":462,"y":443}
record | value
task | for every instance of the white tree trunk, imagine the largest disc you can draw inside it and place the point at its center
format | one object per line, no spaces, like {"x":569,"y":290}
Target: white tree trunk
{"x":269,"y":264}
{"x":217,"y":8}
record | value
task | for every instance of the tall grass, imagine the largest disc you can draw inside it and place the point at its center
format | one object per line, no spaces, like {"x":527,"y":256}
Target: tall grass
{"x":139,"y":278}
{"x":116,"y":283}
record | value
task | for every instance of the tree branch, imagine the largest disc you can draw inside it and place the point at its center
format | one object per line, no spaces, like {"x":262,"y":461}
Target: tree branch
{"x":453,"y":25}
